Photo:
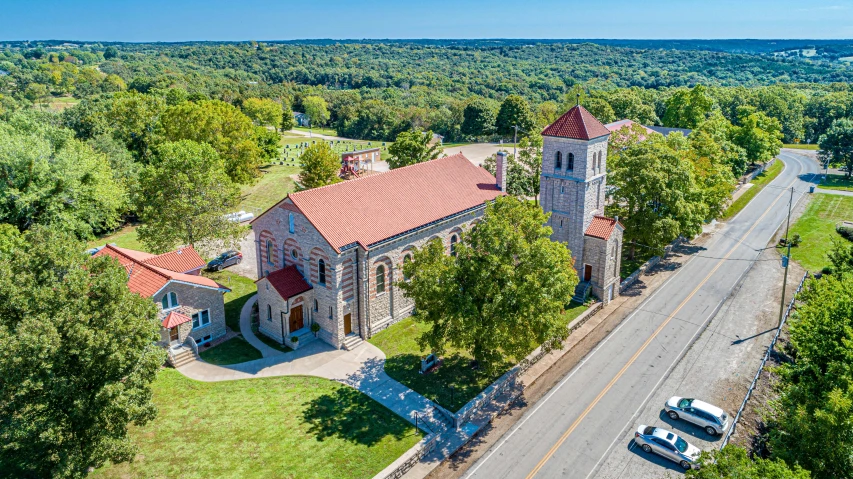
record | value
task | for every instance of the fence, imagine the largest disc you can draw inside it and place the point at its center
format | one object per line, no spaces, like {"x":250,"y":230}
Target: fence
{"x":763,"y":362}
{"x":409,"y":463}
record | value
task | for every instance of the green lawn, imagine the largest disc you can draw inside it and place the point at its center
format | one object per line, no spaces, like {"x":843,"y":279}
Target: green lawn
{"x":628,"y":266}
{"x":758,"y":184}
{"x":273,"y":185}
{"x":123,"y":238}
{"x":816,"y":227}
{"x":289,"y":427}
{"x":403,"y":361}
{"x":242,"y":288}
{"x":801,"y":146}
{"x":235,"y":350}
{"x":837,"y":182}
{"x":318,"y":130}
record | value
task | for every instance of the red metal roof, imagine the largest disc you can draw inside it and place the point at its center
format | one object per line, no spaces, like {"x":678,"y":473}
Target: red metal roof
{"x":181,"y":260}
{"x":175,"y":318}
{"x":288,"y":282}
{"x":602,"y":227}
{"x":577,"y":123}
{"x":376,"y":207}
{"x":146,"y":279}
{"x":618,"y":125}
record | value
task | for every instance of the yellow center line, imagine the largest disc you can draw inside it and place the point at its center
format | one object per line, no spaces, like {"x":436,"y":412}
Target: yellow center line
{"x":646,"y":344}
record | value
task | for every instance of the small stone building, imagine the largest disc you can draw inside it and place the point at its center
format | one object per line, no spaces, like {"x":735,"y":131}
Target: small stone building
{"x":572,"y":185}
{"x":190,"y":304}
{"x":331,"y":255}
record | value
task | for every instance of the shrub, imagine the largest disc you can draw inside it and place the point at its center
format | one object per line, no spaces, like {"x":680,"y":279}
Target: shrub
{"x":846,"y":232}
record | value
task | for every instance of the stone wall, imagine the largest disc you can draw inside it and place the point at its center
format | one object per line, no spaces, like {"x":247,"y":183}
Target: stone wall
{"x":193,"y":299}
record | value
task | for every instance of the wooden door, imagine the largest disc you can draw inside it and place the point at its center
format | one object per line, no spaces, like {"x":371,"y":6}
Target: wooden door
{"x":587,"y":272}
{"x":347,"y":323}
{"x":296,"y":318}
{"x":173,"y":334}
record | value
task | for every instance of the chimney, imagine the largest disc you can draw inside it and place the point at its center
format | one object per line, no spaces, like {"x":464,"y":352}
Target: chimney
{"x":500,"y":171}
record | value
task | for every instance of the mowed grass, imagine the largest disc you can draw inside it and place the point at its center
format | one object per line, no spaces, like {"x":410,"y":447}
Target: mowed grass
{"x":273,"y":185}
{"x":801,"y":146}
{"x":816,"y":227}
{"x":289,"y":427}
{"x":318,"y":130}
{"x":837,"y":182}
{"x":123,"y":238}
{"x":758,"y":184}
{"x":242,"y":288}
{"x":234,"y":351}
{"x":403,"y":361}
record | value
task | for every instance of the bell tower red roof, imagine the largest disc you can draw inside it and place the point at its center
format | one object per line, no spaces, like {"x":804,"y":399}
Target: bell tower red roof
{"x":578,"y":124}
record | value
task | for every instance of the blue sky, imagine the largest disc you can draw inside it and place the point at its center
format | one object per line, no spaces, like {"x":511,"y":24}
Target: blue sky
{"x":182,"y":20}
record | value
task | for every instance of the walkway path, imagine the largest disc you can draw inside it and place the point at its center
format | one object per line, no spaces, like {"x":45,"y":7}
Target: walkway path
{"x":833,"y":192}
{"x":248,"y":335}
{"x":361,"y":368}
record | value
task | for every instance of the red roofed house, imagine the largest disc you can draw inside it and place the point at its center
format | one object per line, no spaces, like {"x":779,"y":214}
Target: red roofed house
{"x":331,"y":255}
{"x":191,"y":306}
{"x":572,"y":188}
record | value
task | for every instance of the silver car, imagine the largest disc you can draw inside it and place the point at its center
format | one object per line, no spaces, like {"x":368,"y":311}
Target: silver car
{"x":711,"y":418}
{"x":667,"y":444}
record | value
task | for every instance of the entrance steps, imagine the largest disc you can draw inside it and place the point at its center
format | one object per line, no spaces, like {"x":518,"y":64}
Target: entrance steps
{"x":181,"y":356}
{"x":582,"y":292}
{"x":352,"y":341}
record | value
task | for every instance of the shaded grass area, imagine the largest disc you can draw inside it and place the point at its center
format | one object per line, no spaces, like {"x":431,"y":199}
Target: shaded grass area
{"x":837,"y":182}
{"x":290,"y":426}
{"x":124,"y":238}
{"x":758,"y":184}
{"x":242,"y":288}
{"x":403,"y":361}
{"x":269,"y":341}
{"x":816,"y":227}
{"x":801,"y":146}
{"x":628,"y":265}
{"x":235,"y":350}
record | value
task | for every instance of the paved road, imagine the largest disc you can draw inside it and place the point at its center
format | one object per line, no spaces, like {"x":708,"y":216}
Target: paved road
{"x":571,"y":431}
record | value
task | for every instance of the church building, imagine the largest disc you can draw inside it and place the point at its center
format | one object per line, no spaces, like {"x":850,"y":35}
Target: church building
{"x":329,"y":257}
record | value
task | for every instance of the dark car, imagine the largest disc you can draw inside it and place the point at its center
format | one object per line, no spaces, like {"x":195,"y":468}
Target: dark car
{"x":226,"y":259}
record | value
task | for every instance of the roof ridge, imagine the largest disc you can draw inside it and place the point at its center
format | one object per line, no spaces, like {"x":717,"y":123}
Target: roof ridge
{"x":135,"y":262}
{"x":354,"y":180}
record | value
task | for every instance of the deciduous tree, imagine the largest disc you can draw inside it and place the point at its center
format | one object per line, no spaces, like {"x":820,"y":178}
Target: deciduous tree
{"x":320,"y":166}
{"x":184,"y":197}
{"x":478,"y":118}
{"x":78,"y":358}
{"x":836,"y":144}
{"x":502,"y":293}
{"x":688,"y":108}
{"x":413,"y":146}
{"x":733,"y":462}
{"x":514,"y":111}
{"x":316,"y":109}
{"x":263,"y":111}
{"x":759,"y":135}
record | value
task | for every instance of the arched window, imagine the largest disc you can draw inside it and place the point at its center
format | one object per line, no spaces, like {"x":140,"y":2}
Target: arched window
{"x":406,"y":260}
{"x":269,"y":313}
{"x":571,"y":162}
{"x":316,"y":305}
{"x":291,"y":225}
{"x":558,"y":161}
{"x":294,"y":254}
{"x":380,"y":279}
{"x":453,"y":240}
{"x":170,"y":300}
{"x":599,"y":162}
{"x":321,"y":270}
{"x":269,"y":252}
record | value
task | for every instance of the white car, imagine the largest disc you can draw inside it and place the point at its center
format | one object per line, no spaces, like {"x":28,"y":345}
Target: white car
{"x":667,"y":444}
{"x":711,"y":418}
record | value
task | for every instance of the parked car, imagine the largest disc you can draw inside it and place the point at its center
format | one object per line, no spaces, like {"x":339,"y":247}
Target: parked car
{"x":226,"y":259}
{"x":711,"y":418}
{"x":667,"y":444}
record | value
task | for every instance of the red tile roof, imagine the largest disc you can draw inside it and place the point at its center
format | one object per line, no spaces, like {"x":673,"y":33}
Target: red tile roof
{"x":146,"y":279}
{"x":175,"y":318}
{"x":181,"y":260}
{"x":618,"y":125}
{"x":577,"y":123}
{"x":372,"y":208}
{"x":602,"y":227}
{"x":288,"y":282}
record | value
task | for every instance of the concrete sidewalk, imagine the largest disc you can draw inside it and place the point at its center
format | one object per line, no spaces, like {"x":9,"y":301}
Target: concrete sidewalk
{"x":248,"y":335}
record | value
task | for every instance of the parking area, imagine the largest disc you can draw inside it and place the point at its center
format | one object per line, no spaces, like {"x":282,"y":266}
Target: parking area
{"x":718,"y":369}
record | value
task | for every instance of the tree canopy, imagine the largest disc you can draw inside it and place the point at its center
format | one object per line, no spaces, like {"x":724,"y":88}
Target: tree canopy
{"x":78,"y":357}
{"x":185,"y":195}
{"x":502,"y":291}
{"x":836,"y":144}
{"x":320,"y":166}
{"x":514,"y":111}
{"x":263,"y":111}
{"x":412,"y":147}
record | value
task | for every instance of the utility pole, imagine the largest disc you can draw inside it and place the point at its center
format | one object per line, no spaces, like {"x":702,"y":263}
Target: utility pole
{"x":514,"y":142}
{"x":786,"y":260}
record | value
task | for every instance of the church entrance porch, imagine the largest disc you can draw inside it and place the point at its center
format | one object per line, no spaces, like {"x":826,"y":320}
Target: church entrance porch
{"x":587,"y":273}
{"x":347,"y":323}
{"x":296,"y":320}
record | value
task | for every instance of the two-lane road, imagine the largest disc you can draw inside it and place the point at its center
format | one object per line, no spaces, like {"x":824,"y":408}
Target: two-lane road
{"x":573,"y":428}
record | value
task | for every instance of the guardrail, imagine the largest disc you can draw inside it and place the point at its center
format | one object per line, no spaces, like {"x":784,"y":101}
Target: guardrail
{"x":763,"y":362}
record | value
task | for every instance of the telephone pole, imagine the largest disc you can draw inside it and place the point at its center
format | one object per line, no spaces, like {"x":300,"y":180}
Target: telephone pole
{"x":786,"y":260}
{"x":514,"y":142}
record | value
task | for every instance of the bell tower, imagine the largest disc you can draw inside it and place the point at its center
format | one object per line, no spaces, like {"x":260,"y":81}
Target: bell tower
{"x":573,"y":178}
